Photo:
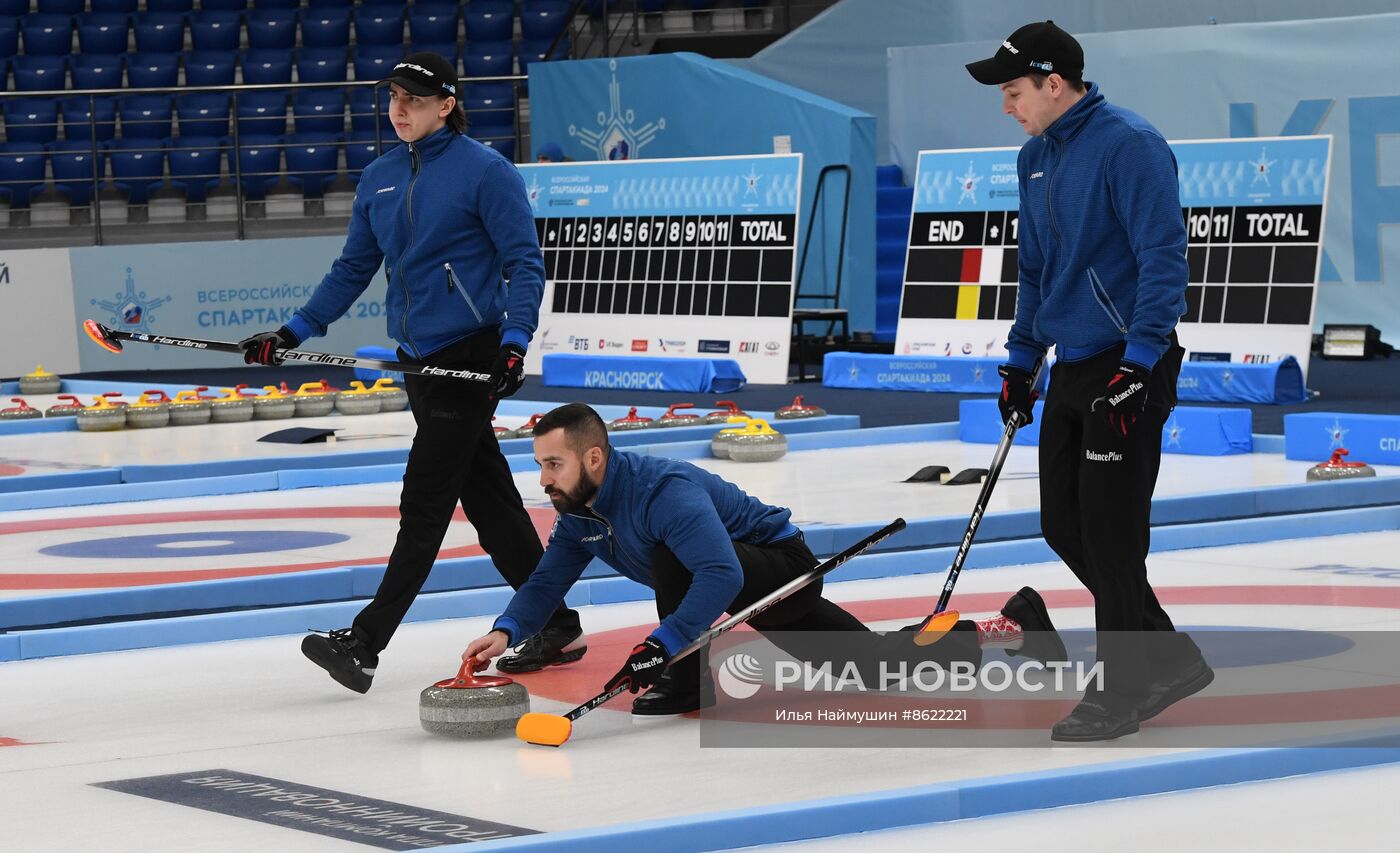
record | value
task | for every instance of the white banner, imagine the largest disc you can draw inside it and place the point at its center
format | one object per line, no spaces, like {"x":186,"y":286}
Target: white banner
{"x":37,"y":323}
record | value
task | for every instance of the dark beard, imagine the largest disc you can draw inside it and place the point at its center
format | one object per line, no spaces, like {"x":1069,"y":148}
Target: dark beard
{"x":573,"y":502}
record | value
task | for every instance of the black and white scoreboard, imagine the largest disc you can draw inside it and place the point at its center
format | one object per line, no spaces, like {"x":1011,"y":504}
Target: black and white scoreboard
{"x":1253,"y":208}
{"x":678,"y":258}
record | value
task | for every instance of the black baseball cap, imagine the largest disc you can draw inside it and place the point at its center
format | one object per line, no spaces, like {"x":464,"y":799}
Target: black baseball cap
{"x":1039,"y":48}
{"x":424,"y":74}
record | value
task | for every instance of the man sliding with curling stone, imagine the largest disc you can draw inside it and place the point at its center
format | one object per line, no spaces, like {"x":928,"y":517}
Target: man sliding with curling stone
{"x":705,"y":547}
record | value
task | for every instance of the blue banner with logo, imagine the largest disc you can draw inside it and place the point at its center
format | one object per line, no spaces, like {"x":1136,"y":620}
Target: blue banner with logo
{"x":222,"y":291}
{"x":1374,"y":439}
{"x":1227,"y":382}
{"x":703,"y":375}
{"x":910,"y":373}
{"x":1190,"y":430}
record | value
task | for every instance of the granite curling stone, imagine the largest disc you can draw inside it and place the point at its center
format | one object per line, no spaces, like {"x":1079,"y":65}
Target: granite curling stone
{"x":21,"y":412}
{"x":190,"y":409}
{"x":359,"y":400}
{"x":527,"y":429}
{"x":472,"y":705}
{"x":314,"y":399}
{"x":64,"y":410}
{"x":759,"y":442}
{"x":1337,"y":468}
{"x":273,"y":405}
{"x":798,"y":409}
{"x":233,"y":407}
{"x":391,"y":398}
{"x":719,"y":445}
{"x":152,"y":410}
{"x":631,"y":421}
{"x":675,"y":418}
{"x":40,"y":382}
{"x":728,"y":411}
{"x":103,"y":415}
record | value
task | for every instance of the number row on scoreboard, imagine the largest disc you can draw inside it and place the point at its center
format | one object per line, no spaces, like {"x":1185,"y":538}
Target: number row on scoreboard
{"x":653,"y":232}
{"x":950,"y":228}
{"x":1297,"y":224}
{"x":1249,"y":304}
{"x":1252,"y":264}
{"x":710,"y":265}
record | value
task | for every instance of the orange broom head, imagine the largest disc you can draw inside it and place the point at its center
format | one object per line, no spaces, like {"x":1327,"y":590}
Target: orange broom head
{"x":98,"y":333}
{"x":544,"y":729}
{"x":936,"y":627}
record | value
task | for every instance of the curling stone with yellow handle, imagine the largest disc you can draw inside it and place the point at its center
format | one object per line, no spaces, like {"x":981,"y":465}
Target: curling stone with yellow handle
{"x":232,"y":406}
{"x":759,"y":442}
{"x":391,"y":397}
{"x":40,"y":382}
{"x":359,"y":400}
{"x":150,"y":411}
{"x":273,"y":405}
{"x":314,"y":399}
{"x":719,"y":445}
{"x":104,"y":415}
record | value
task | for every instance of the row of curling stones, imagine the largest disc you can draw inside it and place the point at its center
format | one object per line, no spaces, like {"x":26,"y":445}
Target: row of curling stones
{"x":1338,"y":468}
{"x":674,"y":417}
{"x":753,"y":440}
{"x":472,"y":705}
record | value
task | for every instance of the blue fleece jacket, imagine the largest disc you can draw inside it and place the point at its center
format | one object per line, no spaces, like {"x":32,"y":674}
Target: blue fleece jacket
{"x":450,"y":220}
{"x":1101,"y":239}
{"x":646,"y":501}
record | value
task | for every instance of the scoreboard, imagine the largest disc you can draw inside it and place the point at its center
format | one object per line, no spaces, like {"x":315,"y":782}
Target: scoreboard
{"x":690,"y":258}
{"x":1253,"y":210}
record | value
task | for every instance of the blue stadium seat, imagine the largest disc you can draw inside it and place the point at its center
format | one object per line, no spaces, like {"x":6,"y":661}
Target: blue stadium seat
{"x":209,"y":68}
{"x":319,"y":111}
{"x":262,"y":113}
{"x":103,"y":33}
{"x":72,"y":161}
{"x":501,"y":142}
{"x":38,"y":73}
{"x":311,"y":161}
{"x":267,"y":66}
{"x":78,"y":117}
{"x":125,"y":7}
{"x":488,"y":59}
{"x":215,"y":29}
{"x":47,"y":35}
{"x":362,"y":111}
{"x":60,"y":7}
{"x":97,"y":71}
{"x":272,"y":29}
{"x":323,"y":4}
{"x":541,"y":20}
{"x":447,"y":50}
{"x":183,"y":7}
{"x":360,"y":151}
{"x":31,"y":120}
{"x":325,"y":27}
{"x":223,"y":5}
{"x":374,"y":62}
{"x":195,"y":165}
{"x":379,"y":24}
{"x":153,"y":70}
{"x":534,"y":51}
{"x":276,"y":4}
{"x":260,"y":160}
{"x":322,"y":65}
{"x":138,"y":166}
{"x":159,"y":32}
{"x":21,"y":172}
{"x":145,"y":117}
{"x":203,"y":114}
{"x":13,"y":8}
{"x":489,"y":21}
{"x":433,"y":23}
{"x":9,"y":38}
{"x":488,"y":96}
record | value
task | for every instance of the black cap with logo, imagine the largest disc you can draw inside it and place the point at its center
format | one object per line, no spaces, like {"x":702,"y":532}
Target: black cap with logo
{"x":1039,"y":48}
{"x":424,"y":74}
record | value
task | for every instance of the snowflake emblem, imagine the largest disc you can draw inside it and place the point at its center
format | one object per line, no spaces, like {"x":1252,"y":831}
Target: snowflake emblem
{"x":1261,"y":166}
{"x":1227,"y":376}
{"x":751,"y":182}
{"x":1337,"y":433}
{"x":1174,"y":431}
{"x":534,"y":193}
{"x":132,"y":310}
{"x":968,"y":183}
{"x":618,"y":137}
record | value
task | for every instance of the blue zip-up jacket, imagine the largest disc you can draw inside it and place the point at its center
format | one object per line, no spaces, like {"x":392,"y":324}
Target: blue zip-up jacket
{"x":450,"y":220}
{"x":1101,"y":241}
{"x":646,"y":501}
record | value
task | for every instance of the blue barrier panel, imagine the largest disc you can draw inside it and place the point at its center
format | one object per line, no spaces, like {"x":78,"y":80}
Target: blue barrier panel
{"x":956,"y":374}
{"x":228,"y":467}
{"x":38,"y":425}
{"x":1231,"y":382}
{"x":643,"y":373}
{"x":1368,"y":438}
{"x":9,"y":647}
{"x":127,"y":492}
{"x":64,"y":480}
{"x":1192,"y":430}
